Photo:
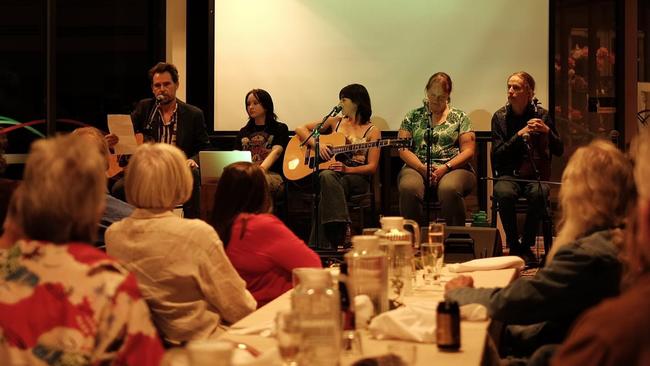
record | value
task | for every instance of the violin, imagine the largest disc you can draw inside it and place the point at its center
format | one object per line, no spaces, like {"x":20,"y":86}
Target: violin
{"x":538,"y":153}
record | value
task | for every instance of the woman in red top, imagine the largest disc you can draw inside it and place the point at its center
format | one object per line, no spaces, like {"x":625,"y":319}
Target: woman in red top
{"x":262,"y":249}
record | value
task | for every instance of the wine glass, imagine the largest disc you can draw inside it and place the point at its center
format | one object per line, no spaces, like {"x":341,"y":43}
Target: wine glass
{"x":432,"y":252}
{"x":287,"y":326}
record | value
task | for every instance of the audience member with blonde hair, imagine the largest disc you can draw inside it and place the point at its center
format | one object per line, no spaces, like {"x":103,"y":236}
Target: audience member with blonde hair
{"x":182,"y":269}
{"x":116,"y":209}
{"x":63,"y":301}
{"x":257,"y":242}
{"x":616,"y":331}
{"x":583,"y":267}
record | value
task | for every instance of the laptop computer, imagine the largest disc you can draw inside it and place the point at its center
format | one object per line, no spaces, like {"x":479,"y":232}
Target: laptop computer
{"x":212,"y":163}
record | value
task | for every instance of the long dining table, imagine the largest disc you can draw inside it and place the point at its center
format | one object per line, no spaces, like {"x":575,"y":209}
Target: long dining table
{"x":474,"y":334}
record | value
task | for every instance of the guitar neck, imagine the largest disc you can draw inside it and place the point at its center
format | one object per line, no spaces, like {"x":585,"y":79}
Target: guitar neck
{"x":355,"y":147}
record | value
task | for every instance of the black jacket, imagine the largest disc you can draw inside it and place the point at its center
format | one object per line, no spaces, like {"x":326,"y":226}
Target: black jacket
{"x":191,"y":133}
{"x":508,"y":149}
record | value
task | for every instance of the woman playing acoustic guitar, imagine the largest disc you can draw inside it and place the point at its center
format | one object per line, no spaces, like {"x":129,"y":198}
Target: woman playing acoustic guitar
{"x":349,"y":174}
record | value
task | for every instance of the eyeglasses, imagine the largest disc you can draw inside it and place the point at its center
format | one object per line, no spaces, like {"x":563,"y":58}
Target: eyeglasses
{"x":439,"y":98}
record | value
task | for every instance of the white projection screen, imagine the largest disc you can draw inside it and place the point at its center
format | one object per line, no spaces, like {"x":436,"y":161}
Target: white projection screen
{"x":304,"y":51}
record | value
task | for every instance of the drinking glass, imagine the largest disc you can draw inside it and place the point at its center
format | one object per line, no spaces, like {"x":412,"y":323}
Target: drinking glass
{"x":351,"y":346}
{"x":436,"y":232}
{"x":433,"y":252}
{"x":431,"y":257}
{"x":287,"y":326}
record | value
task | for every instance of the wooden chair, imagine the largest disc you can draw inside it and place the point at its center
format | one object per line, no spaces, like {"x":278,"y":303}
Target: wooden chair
{"x":521,"y":207}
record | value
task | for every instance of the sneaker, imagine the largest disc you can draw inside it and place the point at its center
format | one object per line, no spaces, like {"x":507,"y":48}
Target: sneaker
{"x":527,"y":255}
{"x":529,"y":258}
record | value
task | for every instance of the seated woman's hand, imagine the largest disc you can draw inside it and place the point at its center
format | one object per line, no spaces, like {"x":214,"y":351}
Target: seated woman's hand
{"x":459,"y":282}
{"x":337,"y":166}
{"x":437,"y":174}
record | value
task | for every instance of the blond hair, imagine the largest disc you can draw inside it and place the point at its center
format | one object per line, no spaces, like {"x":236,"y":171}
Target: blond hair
{"x":597,"y":192}
{"x":62,"y":195}
{"x":637,"y":250}
{"x":158,"y":177}
{"x":96,"y":137}
{"x":641,"y":152}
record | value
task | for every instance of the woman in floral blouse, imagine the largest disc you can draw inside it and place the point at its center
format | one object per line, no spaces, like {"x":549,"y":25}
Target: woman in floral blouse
{"x":452,"y":147}
{"x":61,"y":300}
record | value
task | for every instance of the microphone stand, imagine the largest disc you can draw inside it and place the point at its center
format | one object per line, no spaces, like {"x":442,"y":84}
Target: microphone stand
{"x":315,"y":133}
{"x":547,"y":221}
{"x":427,"y":181}
{"x":148,"y":126}
{"x":521,"y":180}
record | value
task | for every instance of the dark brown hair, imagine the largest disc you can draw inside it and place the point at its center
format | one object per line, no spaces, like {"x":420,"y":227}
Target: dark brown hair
{"x":242,"y":188}
{"x":527,"y":78}
{"x":161,"y":67}
{"x":266,"y":101}
{"x":358,"y":94}
{"x":441,"y":78}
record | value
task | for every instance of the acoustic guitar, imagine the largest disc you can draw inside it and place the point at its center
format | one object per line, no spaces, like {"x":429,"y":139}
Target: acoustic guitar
{"x":114,"y":166}
{"x":299,"y":160}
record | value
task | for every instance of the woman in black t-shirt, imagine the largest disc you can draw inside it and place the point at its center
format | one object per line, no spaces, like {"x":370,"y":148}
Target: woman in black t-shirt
{"x":265,"y":137}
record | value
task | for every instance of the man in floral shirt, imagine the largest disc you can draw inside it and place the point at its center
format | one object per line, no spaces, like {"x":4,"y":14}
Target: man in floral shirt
{"x":63,"y":302}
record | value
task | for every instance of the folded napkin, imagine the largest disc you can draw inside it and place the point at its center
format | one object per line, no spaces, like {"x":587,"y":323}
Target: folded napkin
{"x":414,"y":322}
{"x":417,"y":322}
{"x":486,"y":264}
{"x":364,"y":310}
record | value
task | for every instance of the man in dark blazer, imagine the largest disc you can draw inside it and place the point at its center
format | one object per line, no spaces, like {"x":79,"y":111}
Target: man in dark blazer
{"x":164,"y":118}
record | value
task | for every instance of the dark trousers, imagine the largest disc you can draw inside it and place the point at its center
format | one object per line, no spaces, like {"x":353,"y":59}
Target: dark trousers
{"x":506,"y":194}
{"x":451,"y":191}
{"x":335,"y":189}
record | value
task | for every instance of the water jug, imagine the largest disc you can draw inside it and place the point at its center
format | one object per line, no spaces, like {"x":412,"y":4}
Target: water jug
{"x":317,"y":302}
{"x":368,"y":271}
{"x":399,"y":245}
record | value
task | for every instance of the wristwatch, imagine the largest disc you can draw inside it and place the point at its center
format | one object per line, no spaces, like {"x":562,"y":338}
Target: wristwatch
{"x":448,"y":165}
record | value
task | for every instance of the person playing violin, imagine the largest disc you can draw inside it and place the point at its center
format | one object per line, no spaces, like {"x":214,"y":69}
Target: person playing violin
{"x":520,"y":129}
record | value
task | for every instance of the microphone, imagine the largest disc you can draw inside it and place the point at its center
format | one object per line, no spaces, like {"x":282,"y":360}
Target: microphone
{"x":337,"y":108}
{"x":152,"y":115}
{"x":425,"y":103}
{"x":613,"y":136}
{"x":535,"y":103}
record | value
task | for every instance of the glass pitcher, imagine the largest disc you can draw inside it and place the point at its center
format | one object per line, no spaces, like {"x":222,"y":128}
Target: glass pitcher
{"x":317,"y":304}
{"x":367,"y":269}
{"x":399,"y":245}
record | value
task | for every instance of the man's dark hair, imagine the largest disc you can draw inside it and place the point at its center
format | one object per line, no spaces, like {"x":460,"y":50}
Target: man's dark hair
{"x":161,"y":67}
